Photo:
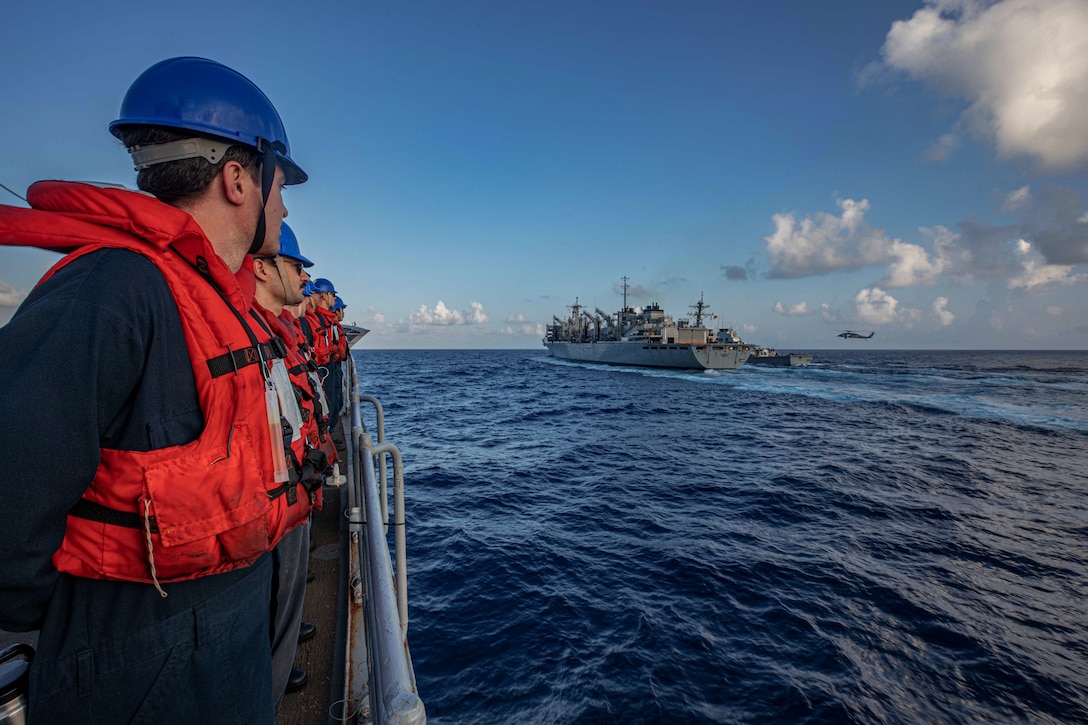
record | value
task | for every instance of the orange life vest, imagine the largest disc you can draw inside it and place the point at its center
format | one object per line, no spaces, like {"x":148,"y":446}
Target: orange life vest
{"x":299,"y":368}
{"x":307,"y":469}
{"x":321,"y":337}
{"x":204,"y":507}
{"x":303,"y":375}
{"x":334,"y":335}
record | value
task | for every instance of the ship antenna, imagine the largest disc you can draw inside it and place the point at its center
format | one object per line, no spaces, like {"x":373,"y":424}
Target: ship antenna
{"x":699,"y":307}
{"x":625,"y":293}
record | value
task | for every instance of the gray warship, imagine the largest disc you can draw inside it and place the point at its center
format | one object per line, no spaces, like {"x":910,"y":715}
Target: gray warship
{"x":646,"y":337}
{"x":766,"y":356}
{"x":772,"y":358}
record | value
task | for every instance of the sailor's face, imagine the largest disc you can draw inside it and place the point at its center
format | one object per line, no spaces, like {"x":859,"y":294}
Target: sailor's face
{"x":292,"y":280}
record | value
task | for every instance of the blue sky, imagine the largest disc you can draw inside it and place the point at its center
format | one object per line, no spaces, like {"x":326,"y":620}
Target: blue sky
{"x":917,"y":169}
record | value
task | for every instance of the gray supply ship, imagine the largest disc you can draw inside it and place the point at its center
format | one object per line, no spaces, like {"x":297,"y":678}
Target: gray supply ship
{"x":647,"y":338}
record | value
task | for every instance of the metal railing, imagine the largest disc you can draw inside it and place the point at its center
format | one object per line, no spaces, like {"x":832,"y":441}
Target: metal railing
{"x":392,"y":687}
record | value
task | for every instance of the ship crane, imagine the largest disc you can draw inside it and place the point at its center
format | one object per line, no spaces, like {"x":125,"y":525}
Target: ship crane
{"x":591,"y":320}
{"x":606,"y":324}
{"x":557,"y":331}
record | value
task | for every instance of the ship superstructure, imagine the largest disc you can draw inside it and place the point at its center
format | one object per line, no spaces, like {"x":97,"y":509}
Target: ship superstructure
{"x":646,"y":337}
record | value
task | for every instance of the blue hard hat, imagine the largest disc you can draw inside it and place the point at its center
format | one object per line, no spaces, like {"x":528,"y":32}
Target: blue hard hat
{"x":308,"y":290}
{"x":289,"y":246}
{"x":338,"y":305}
{"x":323,"y":285}
{"x":208,"y":98}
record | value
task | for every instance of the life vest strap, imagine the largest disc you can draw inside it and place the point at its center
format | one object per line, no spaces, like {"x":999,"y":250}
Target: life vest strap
{"x":94,"y":511}
{"x":287,"y":487}
{"x":235,"y":360}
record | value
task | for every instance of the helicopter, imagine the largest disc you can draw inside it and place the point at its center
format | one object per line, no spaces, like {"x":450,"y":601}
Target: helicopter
{"x":851,"y":335}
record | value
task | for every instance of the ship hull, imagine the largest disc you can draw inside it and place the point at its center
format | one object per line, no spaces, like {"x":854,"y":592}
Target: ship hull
{"x":686,"y":357}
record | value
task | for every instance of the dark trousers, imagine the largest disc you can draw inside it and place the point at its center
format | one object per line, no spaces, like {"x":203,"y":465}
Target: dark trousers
{"x":334,"y":382}
{"x":113,"y":661}
{"x":292,"y":562}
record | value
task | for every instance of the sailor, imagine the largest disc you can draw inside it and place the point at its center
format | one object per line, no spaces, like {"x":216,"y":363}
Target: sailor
{"x":312,"y":323}
{"x":278,"y":283}
{"x":333,"y":335}
{"x":338,"y":307}
{"x":297,"y":317}
{"x":141,"y":546}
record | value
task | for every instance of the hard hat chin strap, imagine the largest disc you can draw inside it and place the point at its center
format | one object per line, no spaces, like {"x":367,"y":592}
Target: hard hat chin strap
{"x":268,"y":175}
{"x":283,"y":282}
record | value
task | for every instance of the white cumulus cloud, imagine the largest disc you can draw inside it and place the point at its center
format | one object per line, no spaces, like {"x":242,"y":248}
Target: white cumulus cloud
{"x":823,"y":242}
{"x":940,"y":309}
{"x":1035,"y":272}
{"x":1021,"y":66}
{"x":9,"y":296}
{"x":1051,"y":221}
{"x":524,"y":328}
{"x":878,"y":307}
{"x":801,"y":308}
{"x":912,"y":265}
{"x":516,"y":324}
{"x":443,"y":316}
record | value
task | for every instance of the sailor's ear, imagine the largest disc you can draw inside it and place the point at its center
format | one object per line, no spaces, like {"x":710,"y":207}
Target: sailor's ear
{"x":232,"y":179}
{"x":261,"y":269}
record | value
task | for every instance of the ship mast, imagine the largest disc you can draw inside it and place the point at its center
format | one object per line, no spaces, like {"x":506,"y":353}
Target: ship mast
{"x":624,"y":314}
{"x":575,"y":322}
{"x":699,"y":308}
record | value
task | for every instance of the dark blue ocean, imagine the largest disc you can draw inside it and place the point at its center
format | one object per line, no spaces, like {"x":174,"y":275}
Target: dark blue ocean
{"x":882,"y":537}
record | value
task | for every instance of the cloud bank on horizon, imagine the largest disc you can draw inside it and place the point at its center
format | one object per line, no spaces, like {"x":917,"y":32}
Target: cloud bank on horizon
{"x":441,"y":316}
